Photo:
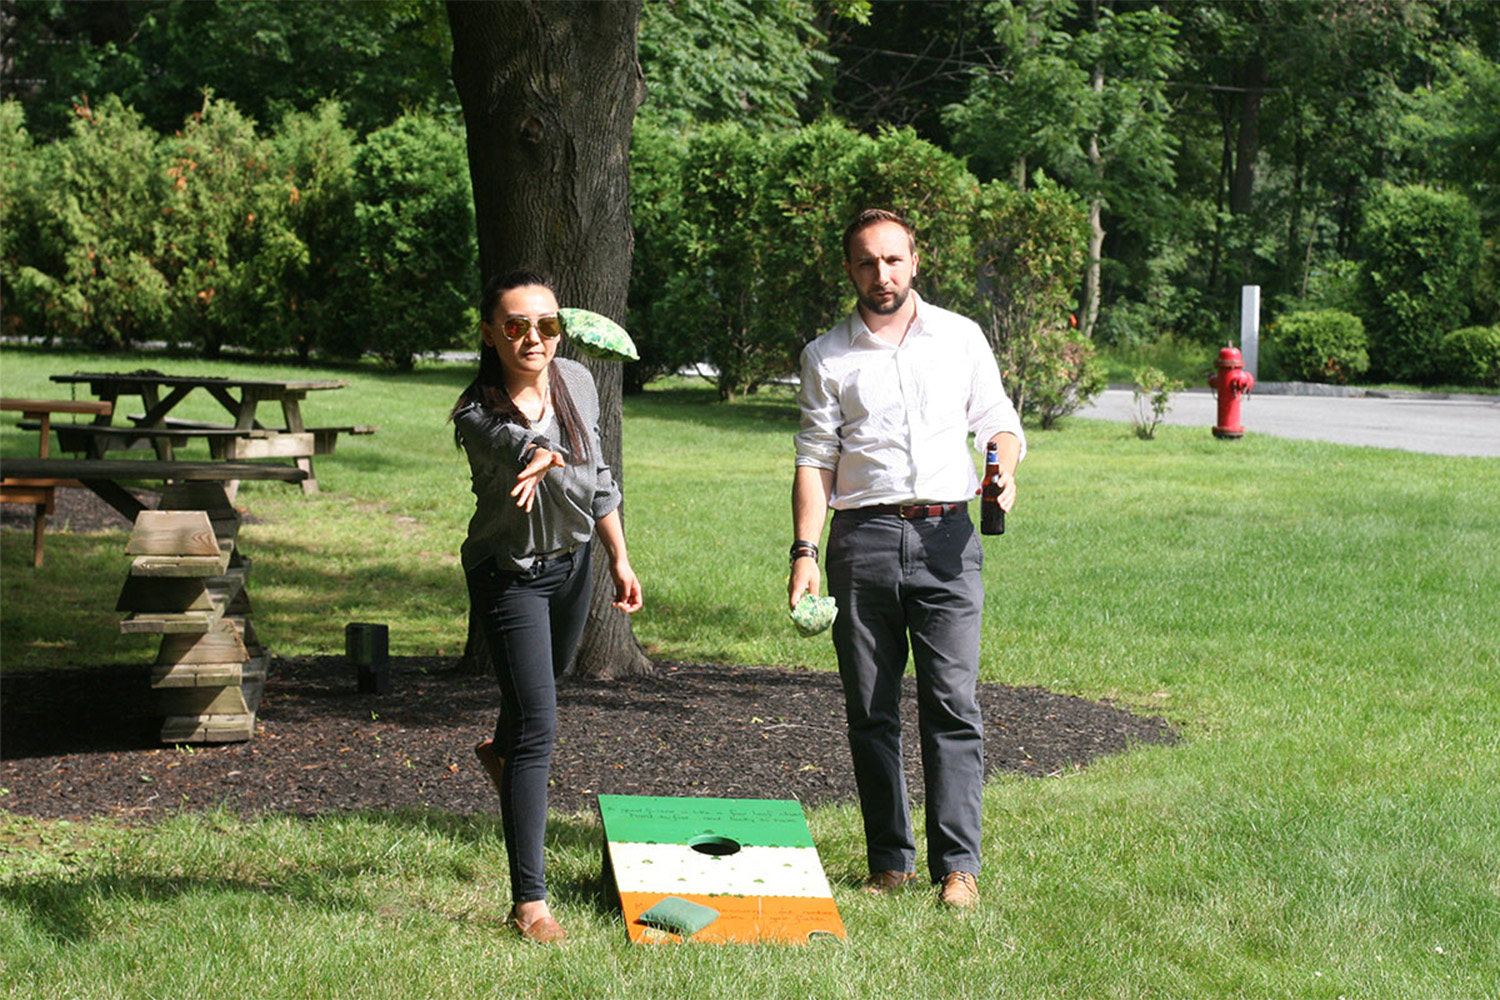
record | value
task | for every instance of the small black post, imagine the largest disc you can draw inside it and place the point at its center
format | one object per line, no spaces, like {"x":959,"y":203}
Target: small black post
{"x":367,"y":648}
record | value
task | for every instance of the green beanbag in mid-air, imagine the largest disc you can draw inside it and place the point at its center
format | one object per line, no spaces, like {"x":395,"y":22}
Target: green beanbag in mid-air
{"x":813,"y":614}
{"x":598,"y":336}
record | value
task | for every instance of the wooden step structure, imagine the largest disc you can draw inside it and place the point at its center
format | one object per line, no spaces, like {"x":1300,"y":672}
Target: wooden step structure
{"x":187,"y":584}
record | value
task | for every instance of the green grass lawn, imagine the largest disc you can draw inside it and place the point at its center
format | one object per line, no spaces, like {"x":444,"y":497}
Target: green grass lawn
{"x":1322,"y":623}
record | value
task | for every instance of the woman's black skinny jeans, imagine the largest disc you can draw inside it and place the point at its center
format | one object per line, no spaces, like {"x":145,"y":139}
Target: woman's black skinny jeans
{"x":533,"y":621}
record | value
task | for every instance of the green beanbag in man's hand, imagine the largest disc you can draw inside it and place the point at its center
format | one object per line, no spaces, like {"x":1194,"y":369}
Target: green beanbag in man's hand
{"x":598,"y":336}
{"x":813,"y":614}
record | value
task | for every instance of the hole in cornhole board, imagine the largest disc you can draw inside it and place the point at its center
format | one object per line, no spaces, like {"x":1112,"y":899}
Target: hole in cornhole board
{"x":714,"y":845}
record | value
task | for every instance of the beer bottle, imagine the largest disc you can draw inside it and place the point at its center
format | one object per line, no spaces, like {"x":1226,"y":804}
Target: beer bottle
{"x":991,"y":516}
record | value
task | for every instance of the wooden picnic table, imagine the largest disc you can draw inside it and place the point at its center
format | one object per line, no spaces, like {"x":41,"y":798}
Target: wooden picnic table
{"x":246,"y":438}
{"x":187,"y":583}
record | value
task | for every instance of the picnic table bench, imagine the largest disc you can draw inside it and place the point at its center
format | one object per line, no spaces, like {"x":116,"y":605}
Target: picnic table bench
{"x":41,"y":492}
{"x":246,"y":438}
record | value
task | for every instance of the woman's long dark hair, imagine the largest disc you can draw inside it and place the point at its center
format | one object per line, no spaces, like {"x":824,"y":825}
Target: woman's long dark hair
{"x":488,"y":388}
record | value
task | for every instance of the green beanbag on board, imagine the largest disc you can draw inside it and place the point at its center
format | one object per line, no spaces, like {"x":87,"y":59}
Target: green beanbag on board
{"x":683,"y":916}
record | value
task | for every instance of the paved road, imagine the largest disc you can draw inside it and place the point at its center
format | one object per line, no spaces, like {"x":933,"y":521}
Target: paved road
{"x":1467,"y":425}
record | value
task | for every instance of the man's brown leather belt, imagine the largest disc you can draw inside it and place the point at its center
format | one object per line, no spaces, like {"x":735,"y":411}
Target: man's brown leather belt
{"x":915,"y":510}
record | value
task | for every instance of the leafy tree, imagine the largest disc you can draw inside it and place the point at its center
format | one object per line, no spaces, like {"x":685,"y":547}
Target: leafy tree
{"x":378,"y":56}
{"x":898,"y":65}
{"x":1081,"y":96}
{"x":750,"y":61}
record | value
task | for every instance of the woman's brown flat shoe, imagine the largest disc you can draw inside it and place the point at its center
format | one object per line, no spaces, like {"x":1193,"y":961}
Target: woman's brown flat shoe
{"x":543,"y":931}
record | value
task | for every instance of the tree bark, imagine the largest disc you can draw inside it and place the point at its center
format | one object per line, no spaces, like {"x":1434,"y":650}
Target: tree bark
{"x":1091,"y":280}
{"x":549,"y":92}
{"x":1247,"y":144}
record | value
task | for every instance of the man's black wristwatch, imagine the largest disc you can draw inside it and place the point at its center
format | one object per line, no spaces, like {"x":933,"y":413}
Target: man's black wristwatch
{"x":802,"y":548}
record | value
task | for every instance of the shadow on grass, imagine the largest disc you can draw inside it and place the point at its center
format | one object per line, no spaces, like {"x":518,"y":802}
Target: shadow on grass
{"x":70,"y":910}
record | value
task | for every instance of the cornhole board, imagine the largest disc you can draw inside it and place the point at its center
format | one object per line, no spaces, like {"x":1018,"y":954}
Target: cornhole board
{"x":752,"y":860}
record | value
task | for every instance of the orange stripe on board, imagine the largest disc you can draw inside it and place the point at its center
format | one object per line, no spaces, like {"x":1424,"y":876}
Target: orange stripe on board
{"x":742,"y":919}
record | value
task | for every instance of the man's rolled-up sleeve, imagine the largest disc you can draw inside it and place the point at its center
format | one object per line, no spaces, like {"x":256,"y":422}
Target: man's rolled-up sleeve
{"x":990,"y":409}
{"x":818,"y":441}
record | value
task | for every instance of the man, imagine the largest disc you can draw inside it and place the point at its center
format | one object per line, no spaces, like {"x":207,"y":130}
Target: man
{"x":889,"y":397}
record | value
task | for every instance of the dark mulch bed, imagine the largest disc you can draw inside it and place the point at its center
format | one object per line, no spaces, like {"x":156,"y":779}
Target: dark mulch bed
{"x":84,"y":742}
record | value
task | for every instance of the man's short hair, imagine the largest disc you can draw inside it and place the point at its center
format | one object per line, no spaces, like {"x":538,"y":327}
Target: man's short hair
{"x":870,"y":217}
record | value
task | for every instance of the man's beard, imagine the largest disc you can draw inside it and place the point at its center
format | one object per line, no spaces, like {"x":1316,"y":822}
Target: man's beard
{"x":894,"y":305}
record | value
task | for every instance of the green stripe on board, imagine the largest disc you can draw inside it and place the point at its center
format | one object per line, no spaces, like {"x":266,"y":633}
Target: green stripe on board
{"x":646,"y":819}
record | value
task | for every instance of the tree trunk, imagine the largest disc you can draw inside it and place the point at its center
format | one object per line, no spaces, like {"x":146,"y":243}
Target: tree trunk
{"x":1247,"y":145}
{"x":1091,"y":280}
{"x":549,"y":92}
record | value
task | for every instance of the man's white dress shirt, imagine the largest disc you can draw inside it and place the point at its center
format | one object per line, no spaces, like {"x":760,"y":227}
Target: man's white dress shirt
{"x":893,"y":422}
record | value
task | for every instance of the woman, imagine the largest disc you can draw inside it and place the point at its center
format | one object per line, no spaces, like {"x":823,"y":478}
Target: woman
{"x":530,"y":426}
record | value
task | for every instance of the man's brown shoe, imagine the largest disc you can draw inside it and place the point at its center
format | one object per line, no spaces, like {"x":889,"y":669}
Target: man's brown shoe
{"x":887,"y":881}
{"x":494,"y":764}
{"x":960,"y":889}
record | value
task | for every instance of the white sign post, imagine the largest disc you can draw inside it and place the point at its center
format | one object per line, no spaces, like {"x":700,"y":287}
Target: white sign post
{"x":1250,"y":328}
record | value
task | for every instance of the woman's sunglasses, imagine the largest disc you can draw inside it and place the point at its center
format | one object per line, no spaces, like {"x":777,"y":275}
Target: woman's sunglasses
{"x":516,"y":327}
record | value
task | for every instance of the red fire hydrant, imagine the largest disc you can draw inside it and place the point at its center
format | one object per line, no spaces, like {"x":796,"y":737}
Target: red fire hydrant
{"x":1231,"y":381}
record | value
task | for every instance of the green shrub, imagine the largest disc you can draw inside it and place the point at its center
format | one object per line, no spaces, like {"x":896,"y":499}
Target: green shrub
{"x":19,"y":237}
{"x":227,"y":247}
{"x":739,"y":260}
{"x":1064,"y":374}
{"x":1319,"y":345}
{"x":90,"y":270}
{"x":1421,"y":255}
{"x":316,"y":152}
{"x":1471,"y":355}
{"x":1030,"y":247}
{"x":414,"y":279}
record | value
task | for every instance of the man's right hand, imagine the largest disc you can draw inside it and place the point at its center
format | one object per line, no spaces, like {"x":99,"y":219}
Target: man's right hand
{"x":805,"y":579}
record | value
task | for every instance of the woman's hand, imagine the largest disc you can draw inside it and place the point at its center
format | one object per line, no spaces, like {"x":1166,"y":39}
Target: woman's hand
{"x":627,"y":588}
{"x":529,"y":478}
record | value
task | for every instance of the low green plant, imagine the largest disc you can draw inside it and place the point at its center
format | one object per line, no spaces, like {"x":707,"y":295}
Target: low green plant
{"x":1153,"y":399}
{"x":1319,"y":345}
{"x":1472,"y":354}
